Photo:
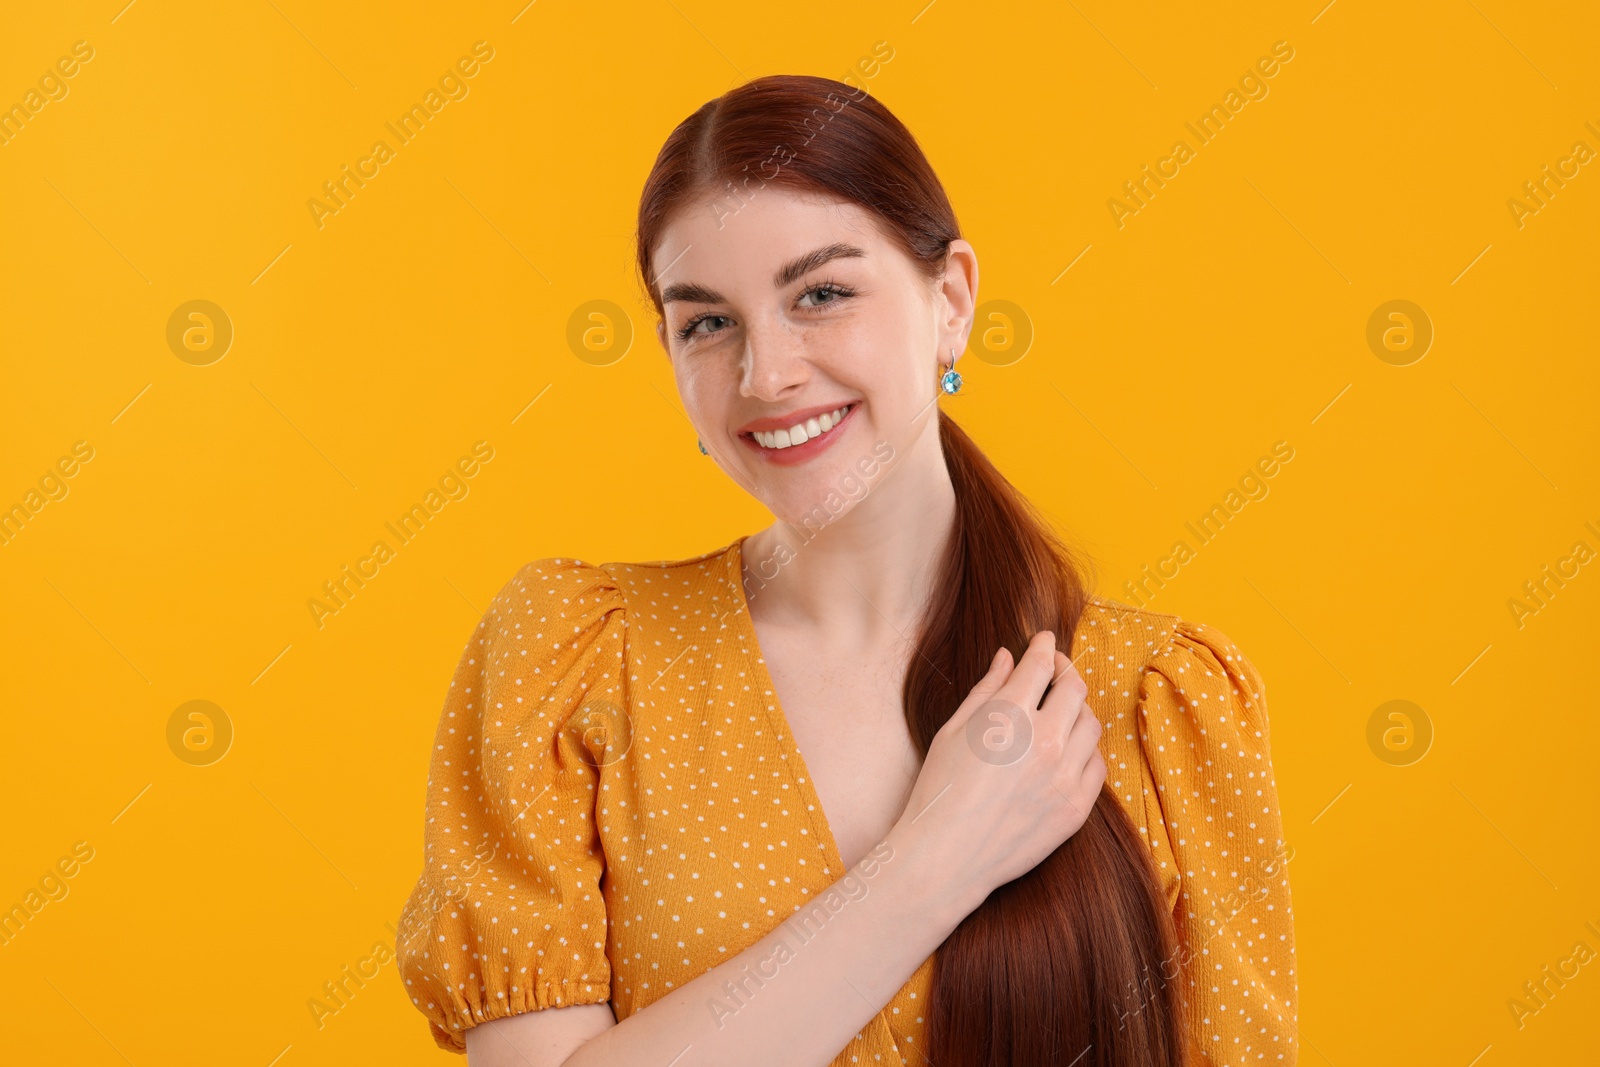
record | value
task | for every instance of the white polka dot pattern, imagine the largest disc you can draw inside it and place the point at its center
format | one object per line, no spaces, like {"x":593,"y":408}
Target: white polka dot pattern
{"x":558,"y":874}
{"x":1215,"y":818}
{"x":507,"y":916}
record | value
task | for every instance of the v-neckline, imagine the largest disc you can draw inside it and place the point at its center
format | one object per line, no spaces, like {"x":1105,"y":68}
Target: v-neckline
{"x":805,"y":784}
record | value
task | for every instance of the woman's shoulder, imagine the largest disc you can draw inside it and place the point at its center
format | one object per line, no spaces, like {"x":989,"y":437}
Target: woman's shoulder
{"x":1125,"y":642}
{"x":576,"y":588}
{"x":1178,"y":669}
{"x":576,"y":566}
{"x":1107,"y":621}
{"x":1116,"y":641}
{"x":1110,"y":623}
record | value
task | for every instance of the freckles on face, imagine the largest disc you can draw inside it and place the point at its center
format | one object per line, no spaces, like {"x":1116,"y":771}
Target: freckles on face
{"x":785,"y":302}
{"x":782,"y":314}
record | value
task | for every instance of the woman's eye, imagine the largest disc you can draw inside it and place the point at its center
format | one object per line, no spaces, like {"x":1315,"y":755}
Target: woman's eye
{"x":831,"y":291}
{"x":693,"y":324}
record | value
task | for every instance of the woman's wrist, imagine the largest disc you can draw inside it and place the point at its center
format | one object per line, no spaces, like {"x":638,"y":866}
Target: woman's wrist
{"x":939,"y":889}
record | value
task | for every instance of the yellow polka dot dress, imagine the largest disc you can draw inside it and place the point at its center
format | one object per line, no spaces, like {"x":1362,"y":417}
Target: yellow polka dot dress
{"x":615,"y":805}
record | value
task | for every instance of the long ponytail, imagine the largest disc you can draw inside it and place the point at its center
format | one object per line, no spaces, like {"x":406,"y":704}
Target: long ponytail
{"x":1064,"y":964}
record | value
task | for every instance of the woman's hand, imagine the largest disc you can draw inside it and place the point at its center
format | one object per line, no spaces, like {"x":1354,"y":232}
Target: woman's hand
{"x":1007,"y":779}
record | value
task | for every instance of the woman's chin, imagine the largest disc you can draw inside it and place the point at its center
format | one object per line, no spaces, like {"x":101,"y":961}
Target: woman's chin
{"x":811,"y":510}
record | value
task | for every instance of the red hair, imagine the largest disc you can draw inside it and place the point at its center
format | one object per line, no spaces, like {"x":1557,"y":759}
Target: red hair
{"x":1072,"y":962}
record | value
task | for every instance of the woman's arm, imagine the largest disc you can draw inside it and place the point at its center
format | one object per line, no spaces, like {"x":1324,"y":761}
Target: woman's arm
{"x":795,"y":997}
{"x":1215,"y":818}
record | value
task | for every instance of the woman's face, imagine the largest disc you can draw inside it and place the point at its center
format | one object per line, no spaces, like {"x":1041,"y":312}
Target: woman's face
{"x":784,"y":310}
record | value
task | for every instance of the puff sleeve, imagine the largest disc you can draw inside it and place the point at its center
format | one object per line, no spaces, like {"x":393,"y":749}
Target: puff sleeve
{"x":1214,"y":817}
{"x":507,"y":915}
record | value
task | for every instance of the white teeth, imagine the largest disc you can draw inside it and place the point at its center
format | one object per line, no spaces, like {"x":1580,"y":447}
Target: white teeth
{"x":801,"y":432}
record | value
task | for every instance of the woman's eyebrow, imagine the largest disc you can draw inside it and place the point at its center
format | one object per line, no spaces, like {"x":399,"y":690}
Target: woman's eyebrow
{"x":812,"y":260}
{"x":695,"y":293}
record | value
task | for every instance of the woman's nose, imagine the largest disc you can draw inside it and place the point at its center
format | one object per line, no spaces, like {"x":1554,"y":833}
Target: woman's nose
{"x":774,"y":360}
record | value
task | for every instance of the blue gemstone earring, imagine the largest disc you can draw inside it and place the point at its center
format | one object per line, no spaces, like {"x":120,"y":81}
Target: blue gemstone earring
{"x":950,"y":381}
{"x":702,"y":445}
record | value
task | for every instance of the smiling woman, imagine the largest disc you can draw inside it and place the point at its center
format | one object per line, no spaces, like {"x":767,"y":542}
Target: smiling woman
{"x":1064,"y":805}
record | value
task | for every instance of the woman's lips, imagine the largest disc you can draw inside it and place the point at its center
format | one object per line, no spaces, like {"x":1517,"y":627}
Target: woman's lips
{"x":801,"y":453}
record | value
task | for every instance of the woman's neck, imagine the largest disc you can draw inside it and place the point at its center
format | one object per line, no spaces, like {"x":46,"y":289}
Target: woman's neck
{"x":865,"y":578}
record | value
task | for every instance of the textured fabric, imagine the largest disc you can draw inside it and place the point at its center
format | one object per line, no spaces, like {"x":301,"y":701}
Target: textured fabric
{"x":615,"y":806}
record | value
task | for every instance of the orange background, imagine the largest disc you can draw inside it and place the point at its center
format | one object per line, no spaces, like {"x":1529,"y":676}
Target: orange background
{"x":435,"y":309}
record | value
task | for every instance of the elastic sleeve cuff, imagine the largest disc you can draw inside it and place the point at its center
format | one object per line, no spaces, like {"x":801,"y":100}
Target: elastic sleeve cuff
{"x":555,"y":993}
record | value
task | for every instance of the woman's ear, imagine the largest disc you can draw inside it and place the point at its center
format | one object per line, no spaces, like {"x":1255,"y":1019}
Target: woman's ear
{"x":661,"y":335}
{"x":960,"y":289}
